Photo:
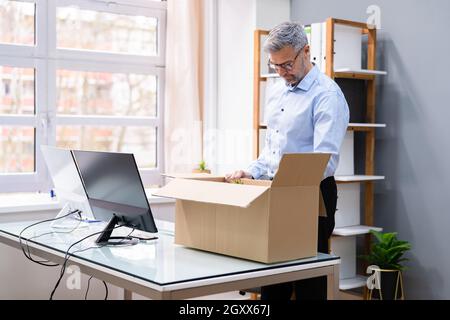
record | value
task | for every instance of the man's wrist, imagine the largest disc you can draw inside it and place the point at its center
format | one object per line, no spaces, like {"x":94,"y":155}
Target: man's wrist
{"x":253,"y":173}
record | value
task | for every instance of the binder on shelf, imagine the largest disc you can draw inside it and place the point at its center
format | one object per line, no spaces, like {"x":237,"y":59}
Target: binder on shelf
{"x":347,"y":47}
{"x":316,"y":45}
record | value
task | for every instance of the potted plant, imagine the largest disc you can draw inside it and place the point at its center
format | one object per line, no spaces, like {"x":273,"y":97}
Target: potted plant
{"x":387,"y":254}
{"x":201,"y":168}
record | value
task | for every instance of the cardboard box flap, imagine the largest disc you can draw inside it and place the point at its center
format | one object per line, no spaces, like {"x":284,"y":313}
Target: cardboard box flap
{"x":301,"y":169}
{"x":231,"y":194}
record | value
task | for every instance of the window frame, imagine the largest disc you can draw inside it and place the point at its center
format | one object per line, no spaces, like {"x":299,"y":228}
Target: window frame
{"x":46,"y":58}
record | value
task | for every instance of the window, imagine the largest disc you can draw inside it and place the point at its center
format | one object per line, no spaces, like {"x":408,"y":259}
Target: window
{"x":81,"y":74}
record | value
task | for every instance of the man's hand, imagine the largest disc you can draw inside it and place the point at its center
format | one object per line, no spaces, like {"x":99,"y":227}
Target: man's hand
{"x":237,"y":175}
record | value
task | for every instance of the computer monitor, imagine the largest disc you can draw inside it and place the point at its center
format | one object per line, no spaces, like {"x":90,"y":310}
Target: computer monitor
{"x":115,"y":191}
{"x":67,"y":184}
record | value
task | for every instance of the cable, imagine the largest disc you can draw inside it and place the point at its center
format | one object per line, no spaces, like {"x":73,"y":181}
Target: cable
{"x":89,"y":281}
{"x":140,"y":238}
{"x":123,"y":239}
{"x":105,"y":245}
{"x":44,"y":262}
{"x":28,"y":256}
{"x":68,"y":255}
{"x":87,"y":290}
{"x":106,"y":290}
{"x":51,"y":232}
{"x":143,"y":239}
{"x":104,"y":283}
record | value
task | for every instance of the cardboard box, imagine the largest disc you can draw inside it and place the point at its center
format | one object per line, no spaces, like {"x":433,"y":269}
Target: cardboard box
{"x":266,"y":221}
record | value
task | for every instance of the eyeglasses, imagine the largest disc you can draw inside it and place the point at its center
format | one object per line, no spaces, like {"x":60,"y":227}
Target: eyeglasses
{"x":288,"y":66}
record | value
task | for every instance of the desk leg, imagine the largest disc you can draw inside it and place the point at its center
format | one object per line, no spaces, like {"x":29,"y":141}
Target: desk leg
{"x":333,"y":284}
{"x":127,"y":294}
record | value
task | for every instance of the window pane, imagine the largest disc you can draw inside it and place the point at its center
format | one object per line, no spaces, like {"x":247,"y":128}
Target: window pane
{"x":16,"y":22}
{"x":102,"y":31}
{"x":138,"y":140}
{"x":16,"y":149}
{"x":113,"y":94}
{"x":16,"y":90}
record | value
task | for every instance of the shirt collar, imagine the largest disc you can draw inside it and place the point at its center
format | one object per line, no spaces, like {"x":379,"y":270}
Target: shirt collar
{"x":306,"y":83}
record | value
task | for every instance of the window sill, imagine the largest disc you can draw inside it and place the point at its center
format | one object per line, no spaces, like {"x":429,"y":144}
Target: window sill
{"x":27,"y":202}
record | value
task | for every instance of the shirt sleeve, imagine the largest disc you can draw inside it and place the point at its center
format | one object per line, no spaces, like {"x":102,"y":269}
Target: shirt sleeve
{"x":259,"y":167}
{"x":330,"y":118}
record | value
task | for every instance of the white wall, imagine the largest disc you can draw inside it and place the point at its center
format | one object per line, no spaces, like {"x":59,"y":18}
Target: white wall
{"x":237,"y":21}
{"x":271,"y":12}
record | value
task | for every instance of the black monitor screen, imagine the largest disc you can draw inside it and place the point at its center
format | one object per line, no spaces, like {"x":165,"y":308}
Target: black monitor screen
{"x":114,"y":187}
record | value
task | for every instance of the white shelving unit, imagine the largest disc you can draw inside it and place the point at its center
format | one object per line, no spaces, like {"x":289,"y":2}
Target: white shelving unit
{"x":340,"y":54}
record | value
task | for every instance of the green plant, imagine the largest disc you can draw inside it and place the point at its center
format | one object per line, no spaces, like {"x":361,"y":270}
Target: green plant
{"x":387,"y":251}
{"x":202,"y":165}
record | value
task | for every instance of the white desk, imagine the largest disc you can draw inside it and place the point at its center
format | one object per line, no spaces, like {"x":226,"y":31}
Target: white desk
{"x":159,"y":269}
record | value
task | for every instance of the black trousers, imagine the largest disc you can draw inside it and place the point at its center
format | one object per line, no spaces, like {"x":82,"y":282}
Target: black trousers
{"x":315,"y":288}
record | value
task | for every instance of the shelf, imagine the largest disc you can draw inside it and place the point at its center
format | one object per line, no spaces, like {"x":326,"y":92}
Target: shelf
{"x":362,"y":71}
{"x":357,"y":178}
{"x":354,"y":75}
{"x":360,"y":74}
{"x":352,"y":283}
{"x":354,"y":230}
{"x":266,"y":76}
{"x":350,"y":295}
{"x":351,"y":126}
{"x":364,"y":126}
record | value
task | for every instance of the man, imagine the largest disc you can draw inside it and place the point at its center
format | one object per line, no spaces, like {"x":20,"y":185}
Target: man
{"x":307,"y":112}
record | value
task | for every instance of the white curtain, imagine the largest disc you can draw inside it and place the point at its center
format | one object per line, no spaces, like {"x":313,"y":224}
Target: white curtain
{"x":183,"y":120}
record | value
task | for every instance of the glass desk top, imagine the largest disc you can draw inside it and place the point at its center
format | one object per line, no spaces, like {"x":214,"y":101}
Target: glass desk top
{"x":158,"y":261}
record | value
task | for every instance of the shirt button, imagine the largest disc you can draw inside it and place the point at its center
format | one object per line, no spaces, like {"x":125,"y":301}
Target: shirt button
{"x":282,"y":110}
{"x":278,"y":131}
{"x":273,"y":152}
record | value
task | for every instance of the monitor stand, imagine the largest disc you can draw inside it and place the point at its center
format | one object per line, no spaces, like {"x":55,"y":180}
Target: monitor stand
{"x":105,"y":237}
{"x":70,"y":221}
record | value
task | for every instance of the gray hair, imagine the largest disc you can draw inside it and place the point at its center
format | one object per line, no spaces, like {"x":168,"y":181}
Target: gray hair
{"x":286,"y":34}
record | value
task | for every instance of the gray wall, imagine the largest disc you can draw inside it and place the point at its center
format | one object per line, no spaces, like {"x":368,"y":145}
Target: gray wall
{"x":414,"y":150}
